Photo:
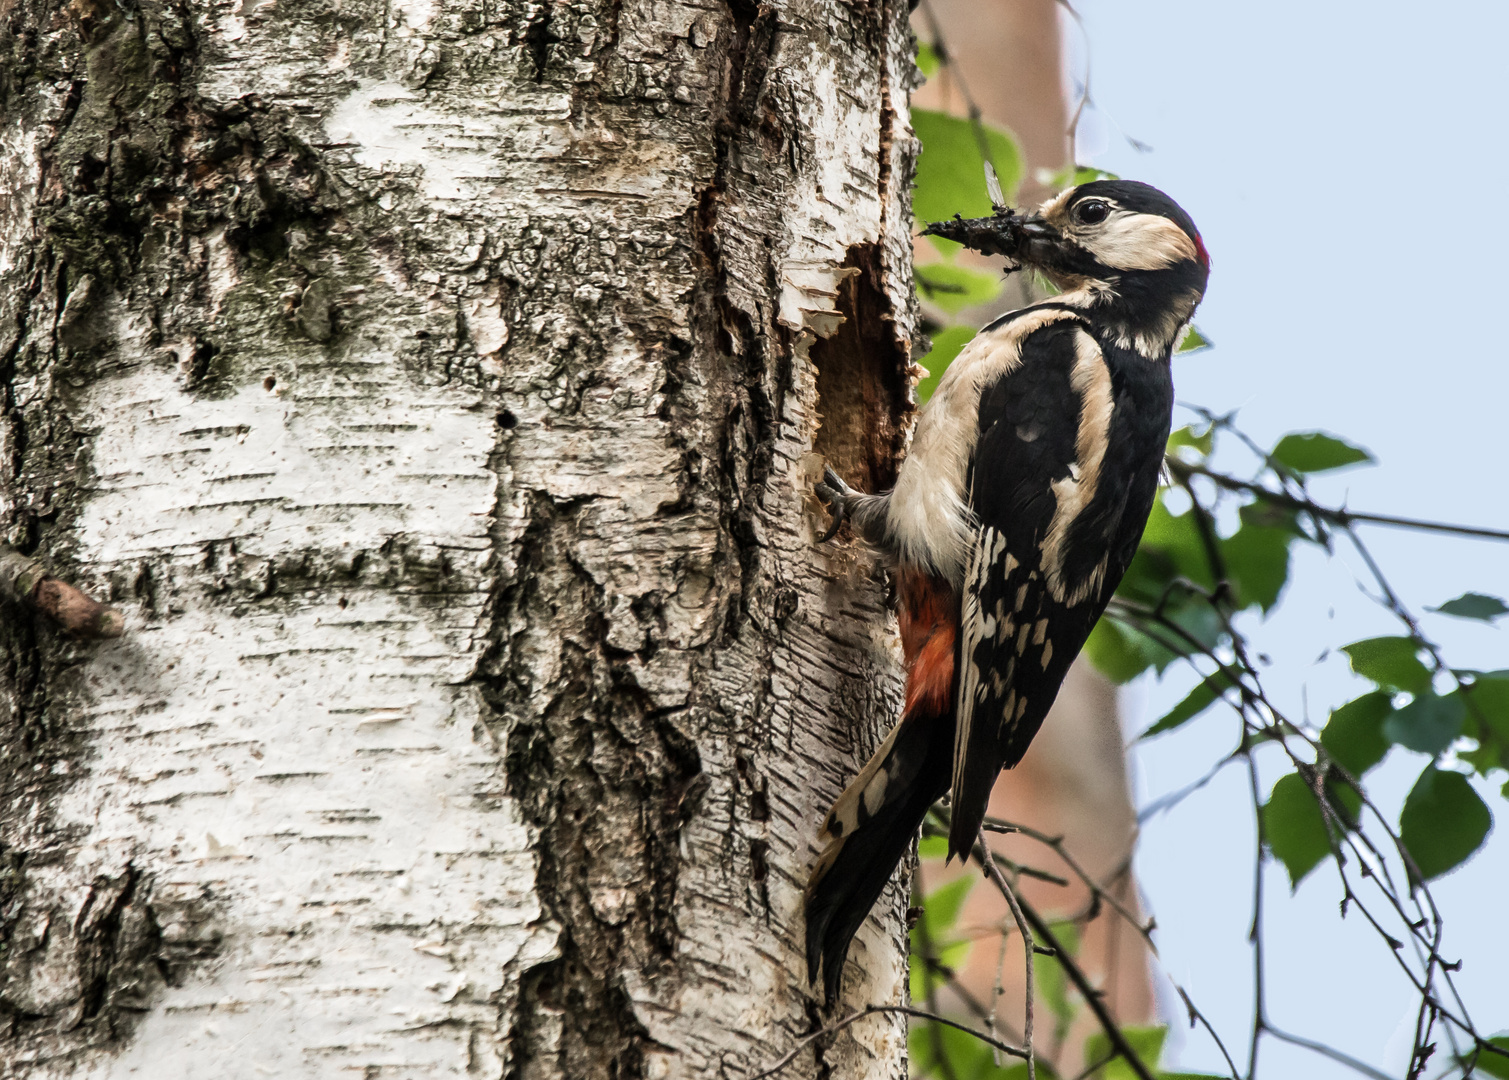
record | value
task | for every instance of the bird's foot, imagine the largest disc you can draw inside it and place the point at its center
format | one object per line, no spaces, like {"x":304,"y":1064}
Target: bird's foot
{"x":837,"y":494}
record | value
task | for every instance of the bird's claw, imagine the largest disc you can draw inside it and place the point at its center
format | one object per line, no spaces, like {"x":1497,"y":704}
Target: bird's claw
{"x":833,"y":491}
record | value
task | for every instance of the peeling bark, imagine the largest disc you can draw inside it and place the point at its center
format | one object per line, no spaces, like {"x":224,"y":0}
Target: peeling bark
{"x":437,"y":390}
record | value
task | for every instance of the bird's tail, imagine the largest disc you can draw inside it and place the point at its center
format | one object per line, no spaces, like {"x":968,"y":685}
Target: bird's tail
{"x":868,"y":831}
{"x":872,"y":824}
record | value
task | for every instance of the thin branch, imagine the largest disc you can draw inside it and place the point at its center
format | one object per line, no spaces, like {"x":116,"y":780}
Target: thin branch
{"x":1330,"y":514}
{"x":1029,"y":947}
{"x":904,"y":1010}
{"x":1096,"y":889}
{"x":1196,"y":1015}
{"x":1174,"y":798}
{"x":1326,"y":1051}
{"x":1091,"y":1069}
{"x":1255,"y":936}
{"x":1081,"y":982}
{"x":930,"y":828}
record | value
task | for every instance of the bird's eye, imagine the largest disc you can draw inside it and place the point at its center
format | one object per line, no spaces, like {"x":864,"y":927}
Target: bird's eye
{"x":1091,"y":212}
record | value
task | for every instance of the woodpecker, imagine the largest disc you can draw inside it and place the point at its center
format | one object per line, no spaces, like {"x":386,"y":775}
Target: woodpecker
{"x":1030,"y":477}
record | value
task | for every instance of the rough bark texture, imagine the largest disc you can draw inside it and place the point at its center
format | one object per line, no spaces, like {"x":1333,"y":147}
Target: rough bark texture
{"x":437,"y":387}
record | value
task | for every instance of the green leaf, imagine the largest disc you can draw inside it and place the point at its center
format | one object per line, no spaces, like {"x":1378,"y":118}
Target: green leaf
{"x":968,"y":1058}
{"x":1195,"y":702}
{"x":927,"y":59}
{"x":1354,"y":733}
{"x":1315,"y":451}
{"x":1201,"y":442}
{"x":1473,"y":605}
{"x":1118,"y":652}
{"x":946,"y":345}
{"x":1018,"y":1071}
{"x":1262,"y":514}
{"x":940,"y":911}
{"x":1391,"y":662}
{"x":1172,"y":546}
{"x":1493,"y":1064}
{"x":1429,"y":724}
{"x":1486,"y":700}
{"x":1257,"y":564}
{"x":1193,"y":341}
{"x":928,"y":1046}
{"x":932,"y":847}
{"x":1443,"y":821}
{"x":1146,"y":1042}
{"x":1186,"y":437}
{"x":954,"y":288}
{"x":951,"y":172}
{"x":1294,"y":827}
{"x":941,"y":907}
{"x":923,"y":977}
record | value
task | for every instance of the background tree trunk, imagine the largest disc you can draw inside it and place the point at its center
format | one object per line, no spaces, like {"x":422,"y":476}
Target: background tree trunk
{"x":438,"y":387}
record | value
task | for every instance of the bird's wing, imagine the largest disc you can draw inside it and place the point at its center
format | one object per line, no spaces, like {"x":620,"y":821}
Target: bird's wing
{"x":1045,"y":511}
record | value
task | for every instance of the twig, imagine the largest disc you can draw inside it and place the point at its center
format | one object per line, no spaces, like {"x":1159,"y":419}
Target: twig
{"x":1094,"y":1067}
{"x":1326,"y":1051}
{"x":1096,"y":889}
{"x":1255,"y":935}
{"x":997,"y":990}
{"x":1330,"y":514}
{"x":1174,"y":798}
{"x":1194,"y":1015}
{"x":26,"y":581}
{"x":1081,"y":982}
{"x":1022,"y":869}
{"x":993,"y":872}
{"x":904,"y":1010}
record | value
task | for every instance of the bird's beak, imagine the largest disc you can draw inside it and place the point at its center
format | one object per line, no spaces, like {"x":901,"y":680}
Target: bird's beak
{"x":1004,"y":233}
{"x":1036,"y":228}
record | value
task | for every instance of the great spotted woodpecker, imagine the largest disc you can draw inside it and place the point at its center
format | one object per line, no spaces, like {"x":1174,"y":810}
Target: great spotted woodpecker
{"x":1031,"y":474}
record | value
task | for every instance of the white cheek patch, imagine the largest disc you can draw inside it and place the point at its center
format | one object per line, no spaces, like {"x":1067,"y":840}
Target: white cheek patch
{"x":1130,"y":241}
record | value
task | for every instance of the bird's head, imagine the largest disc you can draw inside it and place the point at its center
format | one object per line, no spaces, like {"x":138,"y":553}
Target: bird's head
{"x":1117,"y":244}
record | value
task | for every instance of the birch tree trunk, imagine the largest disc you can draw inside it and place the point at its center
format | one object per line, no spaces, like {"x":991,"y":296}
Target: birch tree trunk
{"x":437,"y":388}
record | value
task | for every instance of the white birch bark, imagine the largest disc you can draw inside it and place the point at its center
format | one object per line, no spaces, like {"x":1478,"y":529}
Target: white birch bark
{"x":437,"y":388}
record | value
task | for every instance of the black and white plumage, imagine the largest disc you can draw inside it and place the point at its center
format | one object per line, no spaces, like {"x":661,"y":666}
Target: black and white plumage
{"x":1029,"y":480}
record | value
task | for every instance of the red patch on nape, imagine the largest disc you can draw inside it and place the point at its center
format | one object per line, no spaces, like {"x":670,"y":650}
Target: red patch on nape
{"x":1200,"y":250}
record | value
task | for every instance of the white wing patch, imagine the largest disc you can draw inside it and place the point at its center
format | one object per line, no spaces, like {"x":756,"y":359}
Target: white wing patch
{"x":1091,"y":380}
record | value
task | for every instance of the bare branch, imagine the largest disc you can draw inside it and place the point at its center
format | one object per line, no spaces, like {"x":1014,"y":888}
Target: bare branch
{"x":904,"y":1010}
{"x":1096,"y":889}
{"x":1332,"y":515}
{"x":1327,"y":1051}
{"x":1196,"y":1015}
{"x":1087,"y":990}
{"x":993,"y":872}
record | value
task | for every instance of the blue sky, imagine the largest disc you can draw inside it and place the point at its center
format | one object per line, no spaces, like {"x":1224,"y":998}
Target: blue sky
{"x":1342,"y":161}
